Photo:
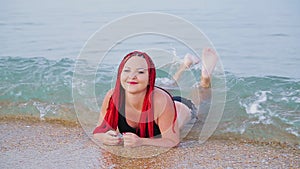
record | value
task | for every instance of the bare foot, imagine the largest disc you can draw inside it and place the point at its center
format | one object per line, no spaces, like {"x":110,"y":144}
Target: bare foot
{"x":209,"y":61}
{"x":190,"y":60}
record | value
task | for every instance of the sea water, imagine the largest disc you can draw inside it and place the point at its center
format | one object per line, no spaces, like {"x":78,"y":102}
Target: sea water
{"x":258,"y":44}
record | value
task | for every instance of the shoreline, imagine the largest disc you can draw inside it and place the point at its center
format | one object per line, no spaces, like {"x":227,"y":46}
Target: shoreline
{"x":29,"y":143}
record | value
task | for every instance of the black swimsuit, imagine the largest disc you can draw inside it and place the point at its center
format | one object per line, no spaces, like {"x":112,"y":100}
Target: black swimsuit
{"x":123,"y":126}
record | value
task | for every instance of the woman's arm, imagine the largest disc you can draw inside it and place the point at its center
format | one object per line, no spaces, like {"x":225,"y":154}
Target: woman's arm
{"x":109,"y":137}
{"x":164,"y":112}
{"x":132,"y":140}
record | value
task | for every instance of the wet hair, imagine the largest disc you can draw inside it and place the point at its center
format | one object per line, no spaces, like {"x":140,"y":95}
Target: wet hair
{"x":118,"y":97}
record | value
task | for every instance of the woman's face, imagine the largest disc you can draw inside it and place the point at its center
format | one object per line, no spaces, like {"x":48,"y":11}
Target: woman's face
{"x":135,"y":75}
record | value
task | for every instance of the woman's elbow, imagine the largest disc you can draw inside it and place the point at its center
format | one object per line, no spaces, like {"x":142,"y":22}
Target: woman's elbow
{"x":173,"y":143}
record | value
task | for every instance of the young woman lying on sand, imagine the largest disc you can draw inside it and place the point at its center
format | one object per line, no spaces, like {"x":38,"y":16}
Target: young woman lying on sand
{"x":143,"y":113}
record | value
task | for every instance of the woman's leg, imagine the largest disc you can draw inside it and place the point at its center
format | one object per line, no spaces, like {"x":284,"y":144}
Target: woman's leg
{"x":188,"y":61}
{"x":209,"y":60}
{"x":203,"y":92}
{"x":184,"y":114}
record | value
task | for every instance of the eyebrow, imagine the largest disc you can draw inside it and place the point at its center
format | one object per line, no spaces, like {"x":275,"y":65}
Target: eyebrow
{"x":136,"y":69}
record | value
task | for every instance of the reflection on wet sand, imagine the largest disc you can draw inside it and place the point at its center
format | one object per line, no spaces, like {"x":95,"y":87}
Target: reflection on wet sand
{"x":29,"y":143}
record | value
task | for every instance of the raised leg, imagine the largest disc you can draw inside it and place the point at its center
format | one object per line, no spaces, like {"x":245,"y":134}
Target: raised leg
{"x":188,"y":61}
{"x":209,"y":60}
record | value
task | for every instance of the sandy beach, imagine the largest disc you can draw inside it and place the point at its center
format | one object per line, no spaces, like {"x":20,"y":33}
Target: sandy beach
{"x":29,"y":143}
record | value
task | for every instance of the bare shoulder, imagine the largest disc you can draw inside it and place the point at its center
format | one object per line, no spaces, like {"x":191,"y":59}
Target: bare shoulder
{"x":162,"y":102}
{"x":109,"y":93}
{"x":105,"y":104}
{"x":107,"y":98}
{"x":160,"y":95}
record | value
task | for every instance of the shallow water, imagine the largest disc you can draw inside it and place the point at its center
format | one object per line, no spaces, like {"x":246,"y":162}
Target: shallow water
{"x":258,"y":108}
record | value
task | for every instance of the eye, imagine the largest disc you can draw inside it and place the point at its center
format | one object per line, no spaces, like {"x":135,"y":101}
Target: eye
{"x":126,"y":70}
{"x":141,"y":72}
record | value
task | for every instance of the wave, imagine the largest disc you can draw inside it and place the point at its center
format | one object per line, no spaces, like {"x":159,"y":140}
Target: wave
{"x":262,"y":109}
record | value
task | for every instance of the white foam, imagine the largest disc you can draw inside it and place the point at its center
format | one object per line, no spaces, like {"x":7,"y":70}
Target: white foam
{"x":255,"y":107}
{"x":44,"y":109}
{"x":240,"y":129}
{"x":164,"y":82}
{"x":296,"y":99}
{"x":293,"y":131}
{"x":285,"y":99}
{"x":19,"y":94}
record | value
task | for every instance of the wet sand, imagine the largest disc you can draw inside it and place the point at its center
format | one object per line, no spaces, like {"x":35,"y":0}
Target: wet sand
{"x":56,"y":144}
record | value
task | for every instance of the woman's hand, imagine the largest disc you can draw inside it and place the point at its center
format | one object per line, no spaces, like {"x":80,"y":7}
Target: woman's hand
{"x":131,"y":140}
{"x":108,"y":138}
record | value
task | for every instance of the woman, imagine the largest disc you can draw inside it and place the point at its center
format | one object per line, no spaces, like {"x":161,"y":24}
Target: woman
{"x":143,"y":113}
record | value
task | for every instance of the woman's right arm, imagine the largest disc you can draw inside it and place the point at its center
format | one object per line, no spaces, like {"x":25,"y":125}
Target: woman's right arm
{"x":109,"y":137}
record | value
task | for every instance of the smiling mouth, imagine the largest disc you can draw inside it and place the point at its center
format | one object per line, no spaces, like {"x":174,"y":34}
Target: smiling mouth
{"x":132,"y":83}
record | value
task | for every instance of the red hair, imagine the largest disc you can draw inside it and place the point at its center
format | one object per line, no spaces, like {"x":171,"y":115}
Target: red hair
{"x":118,"y":97}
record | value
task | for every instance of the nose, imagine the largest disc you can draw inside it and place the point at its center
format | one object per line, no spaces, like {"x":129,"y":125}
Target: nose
{"x":132,"y":75}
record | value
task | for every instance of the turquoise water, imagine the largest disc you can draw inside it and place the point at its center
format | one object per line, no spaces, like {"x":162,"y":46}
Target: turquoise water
{"x":259,"y":108}
{"x":259,"y":46}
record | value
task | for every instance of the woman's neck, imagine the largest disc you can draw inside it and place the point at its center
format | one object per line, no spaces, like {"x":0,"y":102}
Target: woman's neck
{"x":135,"y":100}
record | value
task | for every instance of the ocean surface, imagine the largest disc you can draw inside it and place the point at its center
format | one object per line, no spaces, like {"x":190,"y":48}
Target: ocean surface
{"x":258,"y":43}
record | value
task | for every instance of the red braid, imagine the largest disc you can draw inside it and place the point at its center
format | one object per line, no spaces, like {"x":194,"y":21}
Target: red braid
{"x":117,"y":100}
